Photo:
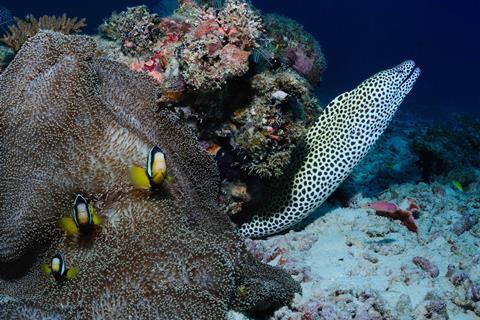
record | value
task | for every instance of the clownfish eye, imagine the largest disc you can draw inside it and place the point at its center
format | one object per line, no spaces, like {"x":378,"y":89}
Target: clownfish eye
{"x":55,"y":264}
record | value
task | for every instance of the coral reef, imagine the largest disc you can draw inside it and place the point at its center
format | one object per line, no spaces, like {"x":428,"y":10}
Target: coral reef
{"x":18,"y":34}
{"x":209,"y":46}
{"x":170,"y":254}
{"x":273,"y":124}
{"x":444,"y":149}
{"x":219,"y":44}
{"x":294,"y":47}
{"x":334,"y":145}
{"x":136,"y":28}
{"x":204,"y":58}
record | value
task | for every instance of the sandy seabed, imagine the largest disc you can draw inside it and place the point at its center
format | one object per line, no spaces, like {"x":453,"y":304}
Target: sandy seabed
{"x":354,"y":264}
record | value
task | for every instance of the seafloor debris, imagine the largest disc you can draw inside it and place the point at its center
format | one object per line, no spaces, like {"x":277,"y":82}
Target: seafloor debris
{"x":373,"y":257}
{"x":164,"y":256}
{"x":426,"y":266}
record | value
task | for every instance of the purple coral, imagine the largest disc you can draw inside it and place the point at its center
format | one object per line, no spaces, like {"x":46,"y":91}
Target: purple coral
{"x":426,"y":266}
{"x":438,"y":307}
{"x":299,"y":60}
{"x":462,"y":225}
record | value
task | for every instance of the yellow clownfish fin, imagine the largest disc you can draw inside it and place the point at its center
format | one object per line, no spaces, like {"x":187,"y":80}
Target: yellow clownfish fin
{"x":159,"y":178}
{"x":71,"y":272}
{"x":46,"y":269}
{"x":169,"y":178}
{"x":68,"y":225}
{"x":457,"y":185}
{"x":97,"y":220}
{"x":139,"y":177}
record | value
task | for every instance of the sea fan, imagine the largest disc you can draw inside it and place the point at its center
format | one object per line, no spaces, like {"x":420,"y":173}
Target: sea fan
{"x":19,"y":33}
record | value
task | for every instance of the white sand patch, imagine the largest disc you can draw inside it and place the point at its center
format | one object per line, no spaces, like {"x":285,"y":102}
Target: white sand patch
{"x":354,"y":264}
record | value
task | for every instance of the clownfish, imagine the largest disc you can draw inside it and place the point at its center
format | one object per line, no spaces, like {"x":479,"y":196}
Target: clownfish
{"x":58,"y":269}
{"x":154,"y":174}
{"x":83,"y":219}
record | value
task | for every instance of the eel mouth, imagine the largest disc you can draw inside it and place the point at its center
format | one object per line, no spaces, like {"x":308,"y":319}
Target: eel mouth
{"x":412,"y":74}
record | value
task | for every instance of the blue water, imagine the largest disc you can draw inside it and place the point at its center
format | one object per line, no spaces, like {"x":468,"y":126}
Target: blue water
{"x":360,"y":38}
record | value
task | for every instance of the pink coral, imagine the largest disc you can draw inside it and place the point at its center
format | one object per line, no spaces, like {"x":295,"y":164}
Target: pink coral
{"x":404,"y":212}
{"x":426,"y":266}
{"x":233,"y":57}
{"x":300,"y":61}
{"x":210,"y":46}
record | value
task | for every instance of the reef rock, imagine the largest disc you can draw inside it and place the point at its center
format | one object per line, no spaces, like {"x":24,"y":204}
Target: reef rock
{"x":75,"y":123}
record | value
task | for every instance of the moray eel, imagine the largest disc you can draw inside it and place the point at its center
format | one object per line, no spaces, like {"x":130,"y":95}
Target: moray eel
{"x":332,"y":147}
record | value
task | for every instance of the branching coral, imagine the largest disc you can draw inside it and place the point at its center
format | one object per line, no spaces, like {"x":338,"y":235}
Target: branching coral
{"x":24,"y":29}
{"x":169,"y":255}
{"x":136,"y":29}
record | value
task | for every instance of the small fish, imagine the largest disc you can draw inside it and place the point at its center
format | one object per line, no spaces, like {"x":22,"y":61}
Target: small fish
{"x":83,"y":219}
{"x":382,"y":241}
{"x":242,"y":291}
{"x":213,"y":149}
{"x":457,"y":185}
{"x":383,"y":206}
{"x":172,"y":95}
{"x":58,"y":269}
{"x":154,"y":174}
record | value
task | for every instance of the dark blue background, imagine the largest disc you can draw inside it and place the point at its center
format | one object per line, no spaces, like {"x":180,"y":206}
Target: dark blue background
{"x":360,"y":38}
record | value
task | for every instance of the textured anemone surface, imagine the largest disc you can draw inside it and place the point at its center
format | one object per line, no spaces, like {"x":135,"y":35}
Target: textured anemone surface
{"x":75,"y":123}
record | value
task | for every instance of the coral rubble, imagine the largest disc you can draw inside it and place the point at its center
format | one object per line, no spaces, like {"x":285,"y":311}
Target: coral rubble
{"x":354,"y":264}
{"x":76,"y":123}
